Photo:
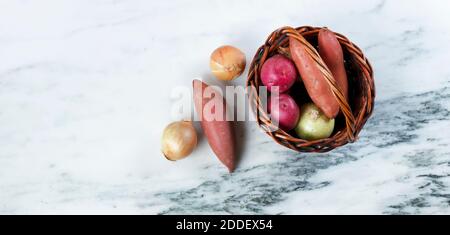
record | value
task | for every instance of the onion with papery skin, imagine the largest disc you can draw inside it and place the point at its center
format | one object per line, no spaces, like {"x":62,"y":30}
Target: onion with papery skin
{"x":227,"y":63}
{"x":179,"y":140}
{"x":313,"y":123}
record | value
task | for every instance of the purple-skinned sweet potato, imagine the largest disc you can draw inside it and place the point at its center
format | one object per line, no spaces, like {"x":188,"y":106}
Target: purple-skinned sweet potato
{"x":331,"y":52}
{"x":315,"y":82}
{"x":219,"y":132}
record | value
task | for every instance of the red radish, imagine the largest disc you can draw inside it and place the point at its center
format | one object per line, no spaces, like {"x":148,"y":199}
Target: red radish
{"x":217,"y":130}
{"x":331,"y":52}
{"x":286,"y":114}
{"x":278,"y":71}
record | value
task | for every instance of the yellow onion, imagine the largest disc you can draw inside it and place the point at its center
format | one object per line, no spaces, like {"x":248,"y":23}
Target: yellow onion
{"x":313,"y":124}
{"x":179,"y":140}
{"x":227,"y":63}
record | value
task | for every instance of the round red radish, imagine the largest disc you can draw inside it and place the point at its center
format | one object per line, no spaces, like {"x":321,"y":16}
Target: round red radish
{"x":278,"y":71}
{"x":284,"y":110}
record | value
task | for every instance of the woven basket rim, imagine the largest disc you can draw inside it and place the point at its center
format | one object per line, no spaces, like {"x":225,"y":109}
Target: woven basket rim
{"x":354,"y":123}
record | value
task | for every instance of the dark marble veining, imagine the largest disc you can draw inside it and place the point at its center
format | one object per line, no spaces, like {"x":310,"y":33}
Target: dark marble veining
{"x":395,"y":122}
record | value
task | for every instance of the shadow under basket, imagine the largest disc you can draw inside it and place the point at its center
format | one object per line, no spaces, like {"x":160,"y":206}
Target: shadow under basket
{"x":353,"y":114}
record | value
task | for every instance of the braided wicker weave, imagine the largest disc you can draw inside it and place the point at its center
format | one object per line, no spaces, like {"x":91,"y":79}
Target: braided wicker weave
{"x":354,"y":114}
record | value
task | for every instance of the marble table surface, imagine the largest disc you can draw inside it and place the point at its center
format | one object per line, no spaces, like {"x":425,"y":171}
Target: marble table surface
{"x":85,"y":91}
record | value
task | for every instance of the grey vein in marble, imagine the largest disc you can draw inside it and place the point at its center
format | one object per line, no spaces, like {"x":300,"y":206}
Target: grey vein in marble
{"x":85,"y":89}
{"x":395,"y":122}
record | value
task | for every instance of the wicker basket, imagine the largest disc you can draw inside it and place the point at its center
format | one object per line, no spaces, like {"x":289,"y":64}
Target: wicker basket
{"x":353,"y":115}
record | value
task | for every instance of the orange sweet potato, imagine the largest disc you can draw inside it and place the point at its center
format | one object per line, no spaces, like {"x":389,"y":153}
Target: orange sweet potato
{"x":331,"y":52}
{"x":315,"y":82}
{"x":216,"y":128}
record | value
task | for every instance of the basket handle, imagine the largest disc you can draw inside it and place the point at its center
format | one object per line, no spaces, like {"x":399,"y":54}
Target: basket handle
{"x":337,"y":93}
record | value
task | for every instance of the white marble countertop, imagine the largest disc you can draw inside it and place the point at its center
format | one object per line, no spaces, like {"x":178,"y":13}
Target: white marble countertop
{"x":85,"y":89}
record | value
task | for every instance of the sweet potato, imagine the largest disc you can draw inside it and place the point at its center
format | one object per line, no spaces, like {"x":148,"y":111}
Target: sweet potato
{"x":315,"y":82}
{"x":217,"y":129}
{"x":331,"y":52}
